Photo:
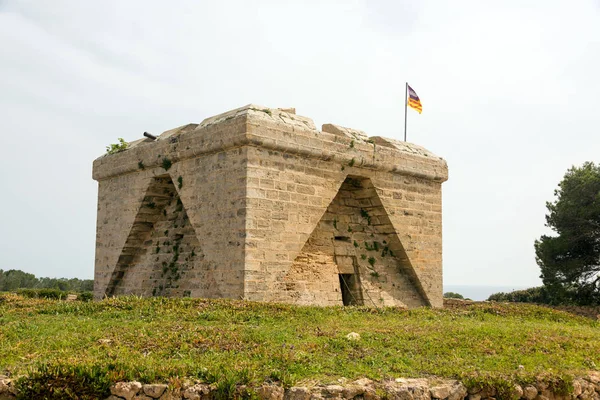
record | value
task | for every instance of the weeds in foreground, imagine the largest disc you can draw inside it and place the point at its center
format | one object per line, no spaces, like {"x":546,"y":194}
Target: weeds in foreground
{"x":61,"y":346}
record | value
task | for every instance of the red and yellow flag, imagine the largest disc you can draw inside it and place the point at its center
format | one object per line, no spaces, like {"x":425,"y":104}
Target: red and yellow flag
{"x":413,"y":100}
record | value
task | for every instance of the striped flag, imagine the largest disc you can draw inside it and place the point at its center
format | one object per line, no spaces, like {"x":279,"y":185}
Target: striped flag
{"x":413,"y":100}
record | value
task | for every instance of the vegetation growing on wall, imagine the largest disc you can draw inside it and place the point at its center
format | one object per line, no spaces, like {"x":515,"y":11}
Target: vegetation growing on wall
{"x":117,"y":147}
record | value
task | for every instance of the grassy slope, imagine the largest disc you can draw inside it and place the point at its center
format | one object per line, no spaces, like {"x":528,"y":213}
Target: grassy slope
{"x":157,"y":339}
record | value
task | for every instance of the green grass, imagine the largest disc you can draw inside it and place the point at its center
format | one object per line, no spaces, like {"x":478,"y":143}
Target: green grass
{"x":159,"y":340}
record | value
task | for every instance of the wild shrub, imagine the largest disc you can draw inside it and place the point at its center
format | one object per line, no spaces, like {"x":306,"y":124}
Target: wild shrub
{"x":64,"y":382}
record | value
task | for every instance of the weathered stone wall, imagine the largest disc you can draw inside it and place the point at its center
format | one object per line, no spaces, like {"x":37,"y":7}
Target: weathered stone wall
{"x":276,"y":207}
{"x":584,"y":388}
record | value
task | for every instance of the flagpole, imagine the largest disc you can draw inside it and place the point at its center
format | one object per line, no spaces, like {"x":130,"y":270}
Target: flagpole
{"x":405,"y":107}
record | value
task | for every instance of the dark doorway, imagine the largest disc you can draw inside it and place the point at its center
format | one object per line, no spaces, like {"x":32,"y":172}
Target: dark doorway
{"x":351,"y":293}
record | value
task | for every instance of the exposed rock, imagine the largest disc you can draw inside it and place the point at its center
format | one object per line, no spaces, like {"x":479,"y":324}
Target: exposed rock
{"x":332,"y":391}
{"x":154,"y":390}
{"x":440,"y":392}
{"x":7,"y":390}
{"x":171,"y":394}
{"x":197,"y":392}
{"x":351,"y":391}
{"x":297,"y":393}
{"x":458,"y":391}
{"x":270,"y":392}
{"x":353,"y":336}
{"x":6,"y":386}
{"x":530,"y":392}
{"x":594,"y":377}
{"x":577,"y":389}
{"x":518,"y":391}
{"x":398,"y":389}
{"x":142,"y":396}
{"x":474,"y":390}
{"x":363,"y":382}
{"x":126,"y":390}
{"x":408,"y":389}
{"x":588,"y":390}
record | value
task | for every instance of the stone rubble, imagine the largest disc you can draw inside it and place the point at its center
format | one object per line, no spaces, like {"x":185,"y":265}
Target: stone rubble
{"x":586,"y":388}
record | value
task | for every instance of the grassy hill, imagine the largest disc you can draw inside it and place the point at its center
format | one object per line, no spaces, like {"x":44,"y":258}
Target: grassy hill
{"x":160,"y":340}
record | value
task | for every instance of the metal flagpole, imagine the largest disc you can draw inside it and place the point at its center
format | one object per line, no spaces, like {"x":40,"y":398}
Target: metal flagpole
{"x":405,"y":107}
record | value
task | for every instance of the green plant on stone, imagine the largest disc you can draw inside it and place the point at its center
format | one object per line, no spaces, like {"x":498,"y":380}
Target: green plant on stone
{"x":117,"y":147}
{"x":141,"y":165}
{"x":166,"y":163}
{"x":374,"y":247}
{"x":385,"y":251}
{"x":375,"y":274}
{"x":364,"y":213}
{"x":356,"y":244}
{"x":335,"y":223}
{"x":351,"y":163}
{"x":363,"y":256}
{"x":352,"y":144}
{"x":179,"y":182}
{"x":371,"y":261}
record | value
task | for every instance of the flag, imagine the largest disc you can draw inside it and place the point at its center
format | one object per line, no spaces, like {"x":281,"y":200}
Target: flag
{"x":413,"y":100}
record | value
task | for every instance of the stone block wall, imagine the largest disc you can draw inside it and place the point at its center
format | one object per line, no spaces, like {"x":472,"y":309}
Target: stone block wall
{"x":256,"y":203}
{"x":583,"y":388}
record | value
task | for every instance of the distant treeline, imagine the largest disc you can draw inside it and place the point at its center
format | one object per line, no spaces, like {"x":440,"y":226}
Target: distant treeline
{"x":531,"y":295}
{"x":15,"y":279}
{"x":542,"y":295}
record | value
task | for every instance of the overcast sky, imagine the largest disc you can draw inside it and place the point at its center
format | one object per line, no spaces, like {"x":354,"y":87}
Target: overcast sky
{"x":510,"y":92}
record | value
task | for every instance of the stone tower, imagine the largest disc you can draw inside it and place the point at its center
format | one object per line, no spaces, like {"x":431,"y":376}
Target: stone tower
{"x":258,"y":204}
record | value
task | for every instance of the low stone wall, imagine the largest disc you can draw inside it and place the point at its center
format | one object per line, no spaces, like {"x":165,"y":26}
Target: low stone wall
{"x":402,"y":389}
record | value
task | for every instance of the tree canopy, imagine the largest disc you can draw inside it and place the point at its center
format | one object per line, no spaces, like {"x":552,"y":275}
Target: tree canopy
{"x":453,"y":295}
{"x":570,"y":261}
{"x":14,"y":279}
